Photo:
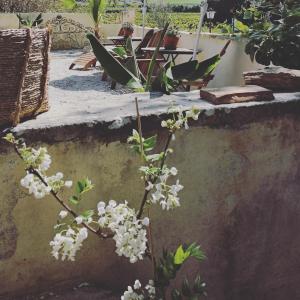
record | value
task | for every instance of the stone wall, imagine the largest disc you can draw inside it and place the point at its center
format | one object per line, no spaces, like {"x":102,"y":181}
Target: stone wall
{"x":69,"y":29}
{"x":240,"y":168}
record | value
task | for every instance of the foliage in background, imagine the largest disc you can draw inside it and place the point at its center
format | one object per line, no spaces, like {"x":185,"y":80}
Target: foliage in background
{"x":30,"y":22}
{"x":95,"y":8}
{"x":275,"y":37}
{"x":14,"y":6}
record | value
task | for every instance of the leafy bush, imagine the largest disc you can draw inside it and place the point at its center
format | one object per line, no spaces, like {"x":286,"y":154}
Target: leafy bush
{"x":276,"y":38}
{"x":12,"y":6}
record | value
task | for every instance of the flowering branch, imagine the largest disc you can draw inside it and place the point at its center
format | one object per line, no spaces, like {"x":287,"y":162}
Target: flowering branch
{"x":146,"y":193}
{"x":59,"y":200}
{"x":132,"y":233}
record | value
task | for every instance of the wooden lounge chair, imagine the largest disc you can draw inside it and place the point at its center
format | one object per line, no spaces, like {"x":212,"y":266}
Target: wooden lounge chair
{"x":86,"y":61}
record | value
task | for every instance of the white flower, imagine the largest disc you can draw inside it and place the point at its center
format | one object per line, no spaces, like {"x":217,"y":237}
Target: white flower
{"x":68,"y":183}
{"x":165,"y":194}
{"x":139,"y":293}
{"x":59,"y":175}
{"x":63,"y":214}
{"x":137,"y":285}
{"x":173,"y":171}
{"x":66,"y":246}
{"x":35,"y":186}
{"x":164,"y":124}
{"x":149,"y":186}
{"x":186,"y":125}
{"x":39,"y":189}
{"x":146,"y":221}
{"x":130,"y":235}
{"x":151,"y":289}
{"x":79,"y":220}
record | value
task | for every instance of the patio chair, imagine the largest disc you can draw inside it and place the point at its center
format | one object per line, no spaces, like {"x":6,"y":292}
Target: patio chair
{"x":144,"y":43}
{"x":145,"y":58}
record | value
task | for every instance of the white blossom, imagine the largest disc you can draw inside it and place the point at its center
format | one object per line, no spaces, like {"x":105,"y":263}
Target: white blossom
{"x":146,"y":221}
{"x":129,"y":233}
{"x":163,"y":193}
{"x":149,"y":186}
{"x":79,"y":220}
{"x":138,"y":293}
{"x":63,"y":214}
{"x":36,"y":158}
{"x":137,"y":285}
{"x":66,"y":245}
{"x":68,"y":183}
{"x":35,"y":186}
{"x":38,"y":188}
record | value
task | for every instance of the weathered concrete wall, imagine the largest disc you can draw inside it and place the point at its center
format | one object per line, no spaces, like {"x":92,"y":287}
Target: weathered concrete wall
{"x":240,"y":168}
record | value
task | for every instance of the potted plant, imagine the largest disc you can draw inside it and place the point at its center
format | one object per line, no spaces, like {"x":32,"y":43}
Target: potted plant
{"x":127,"y":29}
{"x":171,"y":38}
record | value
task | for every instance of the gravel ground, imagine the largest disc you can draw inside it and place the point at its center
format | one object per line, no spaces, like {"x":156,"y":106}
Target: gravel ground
{"x":71,"y":85}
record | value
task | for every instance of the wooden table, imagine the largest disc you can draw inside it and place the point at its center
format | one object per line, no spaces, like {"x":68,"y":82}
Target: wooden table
{"x":173,"y":54}
{"x":120,"y":40}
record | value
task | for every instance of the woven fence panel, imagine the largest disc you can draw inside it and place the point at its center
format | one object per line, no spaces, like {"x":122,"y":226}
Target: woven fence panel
{"x":24,"y":61}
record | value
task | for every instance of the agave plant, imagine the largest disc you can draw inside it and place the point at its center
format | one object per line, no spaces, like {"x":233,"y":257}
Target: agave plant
{"x":30,"y":22}
{"x":96,"y":8}
{"x":168,"y":78}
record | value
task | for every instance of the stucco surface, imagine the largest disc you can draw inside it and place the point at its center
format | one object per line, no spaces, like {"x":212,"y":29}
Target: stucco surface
{"x":240,"y":169}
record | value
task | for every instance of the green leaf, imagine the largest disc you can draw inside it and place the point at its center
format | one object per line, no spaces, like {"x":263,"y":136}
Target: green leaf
{"x":241,"y":27}
{"x":74,"y":200}
{"x":69,"y":4}
{"x":84,"y":186}
{"x":186,"y":289}
{"x":154,"y":57}
{"x":176,"y":295}
{"x":150,"y":143}
{"x":121,"y":51}
{"x":88,"y":214}
{"x":196,"y":252}
{"x":193,"y":70}
{"x":10,"y":138}
{"x":155,"y":157}
{"x":199,"y":286}
{"x":180,"y":256}
{"x":112,"y":66}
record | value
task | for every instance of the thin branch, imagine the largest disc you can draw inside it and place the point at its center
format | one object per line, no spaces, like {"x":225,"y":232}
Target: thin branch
{"x":146,"y":193}
{"x":153,"y":260}
{"x":139,"y":127}
{"x":61,"y":202}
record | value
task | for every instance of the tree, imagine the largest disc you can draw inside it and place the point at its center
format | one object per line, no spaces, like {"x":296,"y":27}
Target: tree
{"x":275,"y":37}
{"x":96,"y":8}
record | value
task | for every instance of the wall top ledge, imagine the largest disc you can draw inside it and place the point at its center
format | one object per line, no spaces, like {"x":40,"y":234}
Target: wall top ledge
{"x":115,"y":119}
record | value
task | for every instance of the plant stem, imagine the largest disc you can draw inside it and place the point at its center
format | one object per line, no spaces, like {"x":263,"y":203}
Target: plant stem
{"x":153,"y":60}
{"x":151,"y":245}
{"x":146,"y":193}
{"x":139,"y":128}
{"x":60,"y":201}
